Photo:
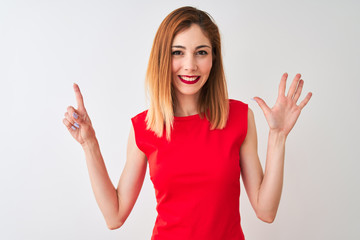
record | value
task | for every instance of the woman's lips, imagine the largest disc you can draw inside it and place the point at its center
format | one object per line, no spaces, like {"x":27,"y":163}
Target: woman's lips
{"x":189,"y":79}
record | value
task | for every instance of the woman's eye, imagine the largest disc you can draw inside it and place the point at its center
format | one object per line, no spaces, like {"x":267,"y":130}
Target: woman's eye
{"x":202,"y":52}
{"x":176,"y":53}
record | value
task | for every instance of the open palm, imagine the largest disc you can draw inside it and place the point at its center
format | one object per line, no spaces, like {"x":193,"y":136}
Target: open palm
{"x":284,"y":114}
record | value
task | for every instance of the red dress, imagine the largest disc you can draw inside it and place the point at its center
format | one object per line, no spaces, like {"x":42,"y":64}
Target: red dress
{"x":196,"y":176}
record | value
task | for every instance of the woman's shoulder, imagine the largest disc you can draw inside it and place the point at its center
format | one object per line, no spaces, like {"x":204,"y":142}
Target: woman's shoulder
{"x":233,"y":103}
{"x":140,"y":116}
{"x":238,"y":110}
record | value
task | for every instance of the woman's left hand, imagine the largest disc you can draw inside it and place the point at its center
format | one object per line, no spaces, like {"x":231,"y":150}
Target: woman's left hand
{"x":283,"y":115}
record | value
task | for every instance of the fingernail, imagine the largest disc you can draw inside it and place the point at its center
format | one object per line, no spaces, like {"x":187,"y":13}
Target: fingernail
{"x":76,"y":125}
{"x":75,"y":115}
{"x":73,"y":128}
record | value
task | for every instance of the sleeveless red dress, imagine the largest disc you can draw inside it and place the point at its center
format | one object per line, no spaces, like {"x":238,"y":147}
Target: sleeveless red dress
{"x":196,"y":176}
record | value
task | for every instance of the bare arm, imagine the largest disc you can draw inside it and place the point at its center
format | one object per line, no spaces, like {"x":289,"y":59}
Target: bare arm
{"x":132,"y":178}
{"x":264,"y":189}
{"x":115,"y":204}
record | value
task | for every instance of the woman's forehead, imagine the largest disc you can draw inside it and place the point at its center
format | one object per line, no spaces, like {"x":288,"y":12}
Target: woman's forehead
{"x":192,"y":36}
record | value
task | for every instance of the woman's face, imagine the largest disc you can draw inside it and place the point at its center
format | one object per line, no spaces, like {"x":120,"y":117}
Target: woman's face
{"x":191,"y":61}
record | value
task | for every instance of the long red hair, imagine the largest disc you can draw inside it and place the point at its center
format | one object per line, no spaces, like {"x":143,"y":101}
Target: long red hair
{"x":213,"y":95}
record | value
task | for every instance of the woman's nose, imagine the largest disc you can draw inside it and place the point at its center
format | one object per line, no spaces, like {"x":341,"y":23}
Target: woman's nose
{"x":190,"y":63}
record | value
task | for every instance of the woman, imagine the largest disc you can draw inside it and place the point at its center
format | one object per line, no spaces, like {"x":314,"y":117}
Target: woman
{"x":195,"y":140}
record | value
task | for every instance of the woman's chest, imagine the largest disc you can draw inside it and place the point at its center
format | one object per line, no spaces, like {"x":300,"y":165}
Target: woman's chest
{"x":195,"y":158}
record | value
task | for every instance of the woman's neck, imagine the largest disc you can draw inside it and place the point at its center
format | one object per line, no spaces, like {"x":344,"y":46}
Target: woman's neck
{"x":186,"y":105}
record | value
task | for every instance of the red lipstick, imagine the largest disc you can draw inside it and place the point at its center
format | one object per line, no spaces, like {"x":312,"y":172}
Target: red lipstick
{"x":189,"y":79}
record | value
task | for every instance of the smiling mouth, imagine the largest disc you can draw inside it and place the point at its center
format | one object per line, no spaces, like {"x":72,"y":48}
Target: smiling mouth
{"x":189,"y":79}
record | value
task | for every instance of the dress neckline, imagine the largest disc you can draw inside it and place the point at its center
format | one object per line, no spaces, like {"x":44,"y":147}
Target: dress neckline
{"x":185,"y":118}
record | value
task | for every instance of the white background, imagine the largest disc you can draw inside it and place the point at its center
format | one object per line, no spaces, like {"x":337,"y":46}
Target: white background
{"x":104,"y":46}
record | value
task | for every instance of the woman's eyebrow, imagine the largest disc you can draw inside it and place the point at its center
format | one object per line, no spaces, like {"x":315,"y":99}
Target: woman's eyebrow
{"x":203,"y":46}
{"x":182,"y":47}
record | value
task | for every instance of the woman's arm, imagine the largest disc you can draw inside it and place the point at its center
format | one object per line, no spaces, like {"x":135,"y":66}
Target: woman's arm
{"x":131,"y":179}
{"x":115,"y":204}
{"x":264,"y":189}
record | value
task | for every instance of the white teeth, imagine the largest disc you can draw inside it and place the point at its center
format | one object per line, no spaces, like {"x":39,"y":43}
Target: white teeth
{"x":189,"y":78}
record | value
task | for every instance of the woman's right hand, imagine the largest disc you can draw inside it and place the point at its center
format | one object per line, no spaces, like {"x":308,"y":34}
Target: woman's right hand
{"x":77,"y":120}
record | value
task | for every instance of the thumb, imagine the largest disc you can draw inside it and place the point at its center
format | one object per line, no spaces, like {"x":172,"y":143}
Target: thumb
{"x":264,"y":107}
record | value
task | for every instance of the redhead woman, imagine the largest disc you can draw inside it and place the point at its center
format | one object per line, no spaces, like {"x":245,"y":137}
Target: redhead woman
{"x":196,"y":141}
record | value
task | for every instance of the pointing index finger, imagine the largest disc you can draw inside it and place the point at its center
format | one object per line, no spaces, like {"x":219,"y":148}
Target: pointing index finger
{"x":78,"y":96}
